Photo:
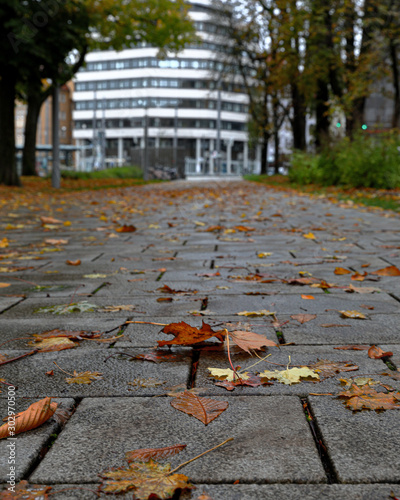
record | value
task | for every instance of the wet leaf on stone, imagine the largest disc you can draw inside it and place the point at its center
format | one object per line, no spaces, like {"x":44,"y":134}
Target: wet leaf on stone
{"x":145,"y":454}
{"x":388,"y":271}
{"x":303,"y":318}
{"x":54,"y":344}
{"x":34,"y":416}
{"x":249,"y":341}
{"x":365,"y":398}
{"x":83,"y":377}
{"x":75,"y":307}
{"x":204,"y":409}
{"x":147,"y":480}
{"x":353,"y":314}
{"x":331,"y":368}
{"x":262,"y":312}
{"x":290,"y":375}
{"x":26,"y":491}
{"x":375,"y":352}
{"x":189,"y":335}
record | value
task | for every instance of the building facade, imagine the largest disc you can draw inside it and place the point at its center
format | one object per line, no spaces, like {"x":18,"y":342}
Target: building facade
{"x":132,"y":107}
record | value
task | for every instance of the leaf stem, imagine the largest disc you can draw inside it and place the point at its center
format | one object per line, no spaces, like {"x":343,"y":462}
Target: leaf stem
{"x":198,"y":456}
{"x":71,"y":374}
{"x":256,"y":363}
{"x":229,"y":354}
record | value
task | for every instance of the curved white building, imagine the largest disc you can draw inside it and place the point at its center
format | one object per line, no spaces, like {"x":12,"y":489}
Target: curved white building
{"x":174,"y":103}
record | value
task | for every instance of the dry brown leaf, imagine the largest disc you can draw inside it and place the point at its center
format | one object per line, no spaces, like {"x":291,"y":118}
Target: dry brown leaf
{"x":126,"y":229}
{"x":204,"y":409}
{"x":366,"y":398}
{"x":388,"y":271}
{"x":77,"y":335}
{"x":352,"y":314}
{"x":341,"y":270}
{"x":307,"y":297}
{"x":50,"y":220}
{"x":147,"y":480}
{"x":83,"y":377}
{"x":303,"y":318}
{"x":145,"y":454}
{"x":375,"y":352}
{"x":245,"y":229}
{"x":25,"y":491}
{"x":34,"y":416}
{"x":73,"y":262}
{"x":55,"y":242}
{"x":359,"y":277}
{"x":249,"y":341}
{"x":54,"y":344}
{"x":331,"y":368}
{"x":189,"y":335}
{"x":165,"y":299}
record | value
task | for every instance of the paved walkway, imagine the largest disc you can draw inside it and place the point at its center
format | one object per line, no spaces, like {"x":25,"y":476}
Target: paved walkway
{"x":242,"y":248}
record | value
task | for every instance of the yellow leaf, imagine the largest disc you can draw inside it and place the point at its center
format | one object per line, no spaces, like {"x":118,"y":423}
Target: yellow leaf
{"x":54,"y":344}
{"x":4,"y":243}
{"x":262,"y":312}
{"x":226,"y":374}
{"x":309,"y":236}
{"x":154,"y":226}
{"x":353,"y":314}
{"x":290,"y":375}
{"x":83,"y":377}
{"x":67,"y":223}
{"x":198,"y":223}
{"x":262,"y":255}
{"x":4,"y":285}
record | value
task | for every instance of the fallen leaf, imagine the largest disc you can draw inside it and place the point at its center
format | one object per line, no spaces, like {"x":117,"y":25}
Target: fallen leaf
{"x":24,"y":490}
{"x":262,"y":255}
{"x":352,"y":314}
{"x":209,"y":275}
{"x":158,"y":357}
{"x":83,"y":377}
{"x":165,"y":299}
{"x":303,"y":318}
{"x":147,"y":480}
{"x":4,"y":285}
{"x":309,"y":236}
{"x":4,"y":243}
{"x":251,"y":381}
{"x":204,"y":409}
{"x":73,"y":262}
{"x":123,"y":307}
{"x":388,"y":271}
{"x":167,"y":289}
{"x":34,"y":416}
{"x":341,"y":270}
{"x":244,"y":229}
{"x":95,"y":276}
{"x":262,"y":312}
{"x":331,"y":368}
{"x":53,"y":241}
{"x":54,"y":344}
{"x":74,"y":307}
{"x":126,"y":229}
{"x":360,"y":398}
{"x":146,"y":382}
{"x":307,"y":297}
{"x":249,"y":341}
{"x":353,"y":347}
{"x":189,"y":335}
{"x":77,"y":335}
{"x":227,"y":374}
{"x":50,"y":373}
{"x":145,"y":454}
{"x":290,"y":375}
{"x":359,"y":277}
{"x":375,"y":352}
{"x":50,"y":220}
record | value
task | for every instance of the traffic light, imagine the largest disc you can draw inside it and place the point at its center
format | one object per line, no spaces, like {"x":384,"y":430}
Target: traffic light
{"x":364,"y":126}
{"x":338,"y":125}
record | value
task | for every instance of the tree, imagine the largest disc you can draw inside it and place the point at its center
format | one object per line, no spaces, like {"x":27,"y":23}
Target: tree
{"x":39,"y":36}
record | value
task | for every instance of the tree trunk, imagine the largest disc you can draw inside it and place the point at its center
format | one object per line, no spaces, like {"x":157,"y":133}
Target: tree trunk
{"x":396,"y":84}
{"x":264,"y":152}
{"x":299,"y":119}
{"x":322,"y":115}
{"x":276,"y":151}
{"x":29,"y":153}
{"x":8,"y":167}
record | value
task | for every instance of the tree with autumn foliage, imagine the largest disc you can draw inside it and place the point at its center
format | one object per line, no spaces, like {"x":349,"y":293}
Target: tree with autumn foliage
{"x":48,"y":40}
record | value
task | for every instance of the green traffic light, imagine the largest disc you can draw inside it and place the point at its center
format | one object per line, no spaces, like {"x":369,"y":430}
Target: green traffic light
{"x":364,"y":127}
{"x":338,"y":124}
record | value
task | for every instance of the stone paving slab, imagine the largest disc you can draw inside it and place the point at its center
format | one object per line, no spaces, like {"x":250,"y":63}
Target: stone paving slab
{"x":118,"y":372}
{"x":364,"y":446}
{"x":105,"y":429}
{"x":8,"y":302}
{"x":248,"y":492}
{"x":17,"y":333}
{"x":27,"y":446}
{"x":299,"y":356}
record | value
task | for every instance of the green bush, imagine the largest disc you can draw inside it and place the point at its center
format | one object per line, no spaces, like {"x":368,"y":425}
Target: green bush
{"x":304,"y":168}
{"x":367,"y":161}
{"x":109,"y":173}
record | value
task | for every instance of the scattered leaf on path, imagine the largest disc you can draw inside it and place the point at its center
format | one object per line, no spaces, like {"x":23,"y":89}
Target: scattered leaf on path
{"x":341,"y":270}
{"x":126,"y":229}
{"x":388,"y":271}
{"x":290,"y":375}
{"x":249,"y":341}
{"x":83,"y":377}
{"x":73,"y":262}
{"x":188,"y":335}
{"x":307,"y":297}
{"x":366,"y":398}
{"x":262,"y":312}
{"x":353,"y":314}
{"x":204,"y":409}
{"x":54,"y":344}
{"x":375,"y":352}
{"x":227,"y":374}
{"x":146,"y":480}
{"x":23,"y":490}
{"x":34,"y":416}
{"x":303,"y":318}
{"x":331,"y":368}
{"x":145,"y":454}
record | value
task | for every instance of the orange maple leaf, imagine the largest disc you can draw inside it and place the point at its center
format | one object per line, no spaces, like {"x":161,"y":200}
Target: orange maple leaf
{"x":189,"y":335}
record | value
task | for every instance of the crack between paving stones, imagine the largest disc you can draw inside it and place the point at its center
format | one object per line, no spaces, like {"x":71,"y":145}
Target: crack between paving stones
{"x":121,"y":330}
{"x":184,"y":243}
{"x":212,"y":264}
{"x":326,"y":460}
{"x":394,"y":297}
{"x":216,"y":248}
{"x":50,"y":441}
{"x":13,"y":305}
{"x":98,"y":257}
{"x":100,"y":287}
{"x":193,"y":369}
{"x":159,"y":277}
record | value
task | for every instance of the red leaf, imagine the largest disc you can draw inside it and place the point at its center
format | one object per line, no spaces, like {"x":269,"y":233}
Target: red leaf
{"x":189,"y":335}
{"x":204,"y":409}
{"x":375,"y":352}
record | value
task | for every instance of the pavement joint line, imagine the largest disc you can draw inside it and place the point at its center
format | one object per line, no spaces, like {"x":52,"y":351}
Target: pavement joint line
{"x":327,"y":463}
{"x":13,"y":305}
{"x":121,"y":329}
{"x":159,"y":277}
{"x":394,"y":296}
{"x":106,"y":283}
{"x":193,"y":368}
{"x":97,"y":257}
